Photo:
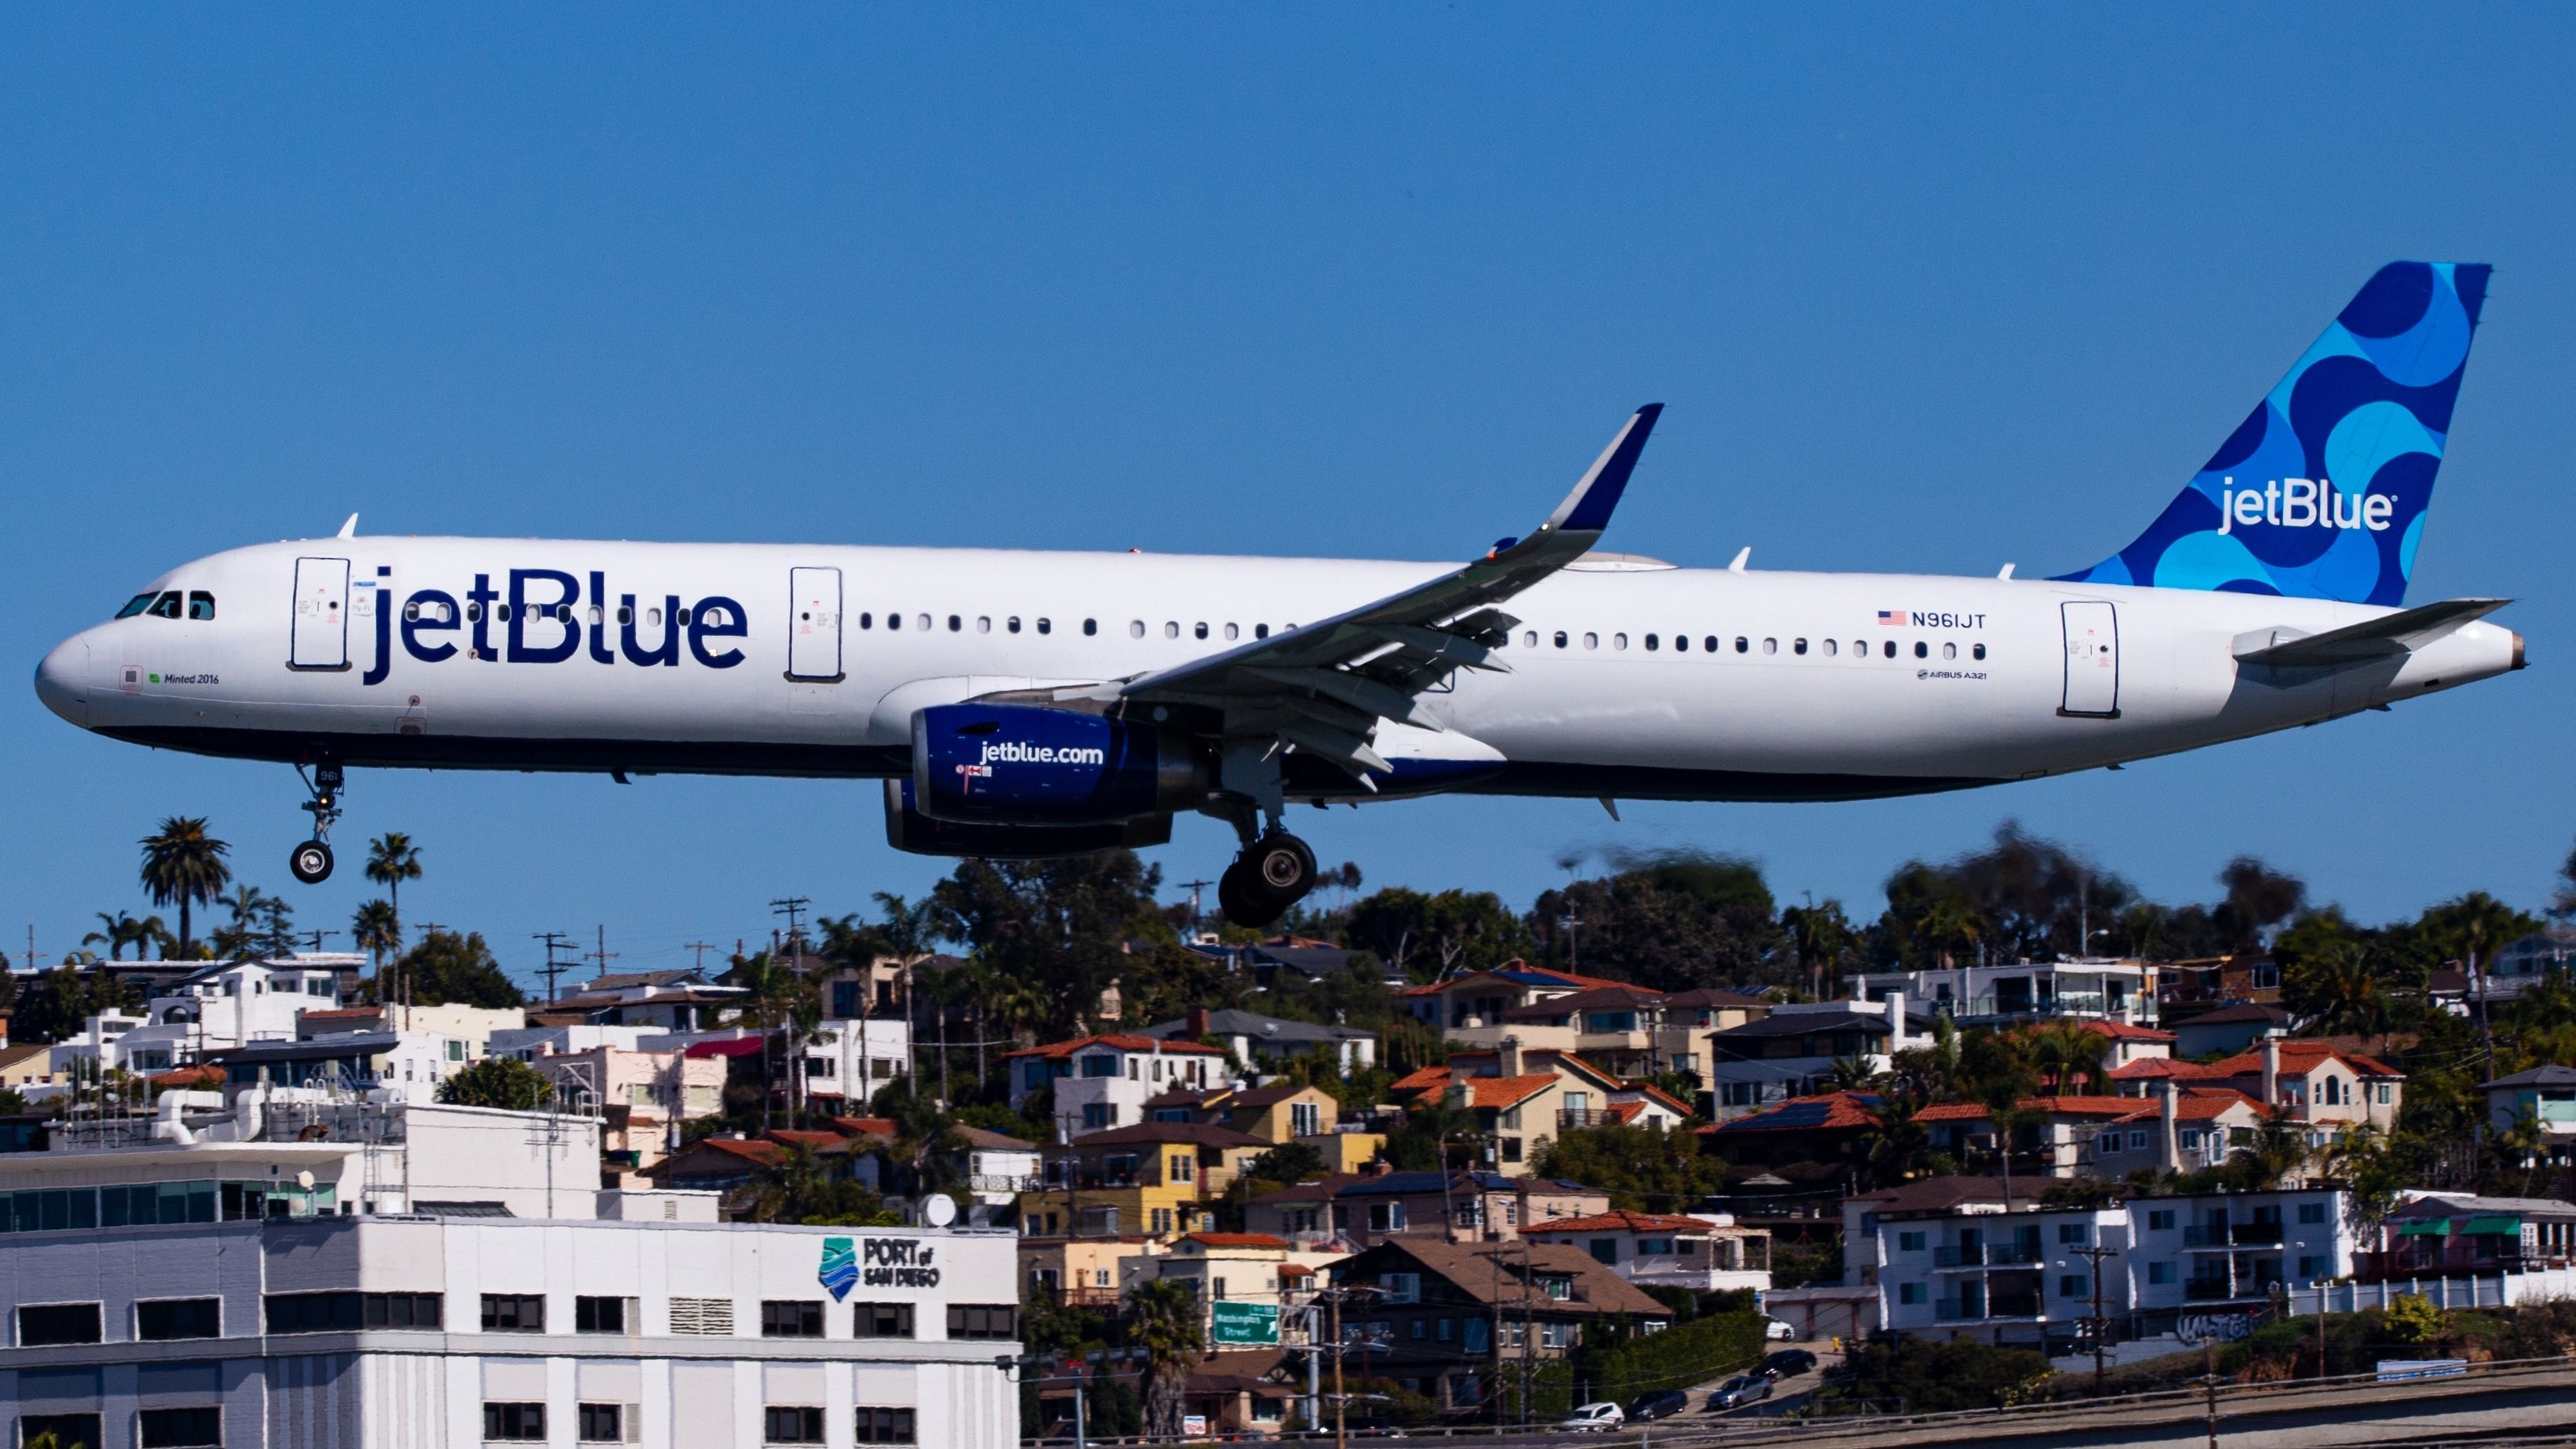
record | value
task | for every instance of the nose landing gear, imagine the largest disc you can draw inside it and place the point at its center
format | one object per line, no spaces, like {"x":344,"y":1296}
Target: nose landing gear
{"x":1272,"y":874}
{"x":311,"y":861}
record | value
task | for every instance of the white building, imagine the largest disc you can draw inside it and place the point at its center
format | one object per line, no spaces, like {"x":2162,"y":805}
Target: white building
{"x":1791,"y":1051}
{"x":1103,"y":1081}
{"x":2122,"y":991}
{"x":449,"y":1278}
{"x":228,"y":1004}
{"x":1704,"y":1252}
{"x":404,"y":1066}
{"x":1949,"y":1257}
{"x":854,"y":1058}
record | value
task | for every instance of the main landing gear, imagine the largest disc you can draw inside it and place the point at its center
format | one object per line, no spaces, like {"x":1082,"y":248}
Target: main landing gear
{"x":311,"y":861}
{"x":1272,"y":874}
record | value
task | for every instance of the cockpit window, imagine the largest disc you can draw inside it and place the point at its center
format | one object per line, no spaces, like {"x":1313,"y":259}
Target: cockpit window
{"x":136,"y":605}
{"x":201,"y":605}
{"x":166,"y":606}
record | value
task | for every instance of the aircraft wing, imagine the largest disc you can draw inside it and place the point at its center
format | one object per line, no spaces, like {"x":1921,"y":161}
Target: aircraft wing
{"x":1322,"y":687}
{"x":2379,"y":638}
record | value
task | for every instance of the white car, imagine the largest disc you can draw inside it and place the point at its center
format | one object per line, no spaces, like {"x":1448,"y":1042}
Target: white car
{"x":1593,"y":1418}
{"x":1778,"y":1332}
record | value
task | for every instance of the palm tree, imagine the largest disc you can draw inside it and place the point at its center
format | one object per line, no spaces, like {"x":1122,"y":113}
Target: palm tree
{"x":377,"y":931}
{"x":1167,"y":1328}
{"x":1821,"y":935}
{"x":122,"y":931}
{"x":2280,"y":1148}
{"x":1895,"y":1143}
{"x":908,"y":931}
{"x":770,"y":991}
{"x":391,"y":860}
{"x":2067,"y":1051}
{"x":1945,"y":925}
{"x":182,"y":864}
{"x":238,"y":940}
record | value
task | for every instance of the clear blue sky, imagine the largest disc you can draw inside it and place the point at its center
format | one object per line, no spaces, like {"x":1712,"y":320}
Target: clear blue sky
{"x":1924,"y":289}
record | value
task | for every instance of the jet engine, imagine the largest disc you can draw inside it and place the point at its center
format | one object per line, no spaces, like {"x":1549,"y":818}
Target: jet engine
{"x":1010,"y":764}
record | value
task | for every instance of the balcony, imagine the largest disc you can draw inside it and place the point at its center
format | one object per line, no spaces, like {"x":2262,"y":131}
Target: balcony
{"x":1987,"y":1255}
{"x":2206,"y":1290}
{"x":1967,"y":1310}
{"x":1570,"y":1118}
{"x":2224,"y":1235}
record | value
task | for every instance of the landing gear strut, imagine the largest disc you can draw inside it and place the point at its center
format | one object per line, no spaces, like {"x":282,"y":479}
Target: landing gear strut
{"x":1272,"y":874}
{"x":311,"y":861}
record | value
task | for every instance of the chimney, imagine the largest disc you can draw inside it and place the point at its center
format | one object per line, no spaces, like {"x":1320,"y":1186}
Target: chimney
{"x":1507,"y":1057}
{"x":1896,"y":1021}
{"x":2271,"y":1071}
{"x":1196,"y":1025}
{"x":2165,"y":1113}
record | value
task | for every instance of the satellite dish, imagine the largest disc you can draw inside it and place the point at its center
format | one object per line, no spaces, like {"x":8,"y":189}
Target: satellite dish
{"x":939,"y":1209}
{"x":304,"y":1179}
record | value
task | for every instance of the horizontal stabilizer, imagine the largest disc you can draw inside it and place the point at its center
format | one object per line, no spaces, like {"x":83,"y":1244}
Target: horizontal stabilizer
{"x":2380,"y":638}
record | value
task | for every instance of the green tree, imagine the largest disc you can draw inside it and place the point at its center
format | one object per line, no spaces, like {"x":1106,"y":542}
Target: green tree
{"x":1822,"y":936}
{"x":377,"y":930}
{"x":1644,"y":1169}
{"x":1672,"y":922}
{"x":2068,"y":1053}
{"x":391,"y":860}
{"x":504,"y":1082}
{"x":239,"y":939}
{"x":1063,"y":922}
{"x":1165,"y":1315}
{"x":184,"y":866}
{"x":449,"y":969}
{"x":119,"y":930}
{"x":1429,"y":936}
{"x":54,"y":1007}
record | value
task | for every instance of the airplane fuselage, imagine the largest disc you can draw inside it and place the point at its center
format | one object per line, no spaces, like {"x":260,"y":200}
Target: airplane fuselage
{"x":1625,"y":678}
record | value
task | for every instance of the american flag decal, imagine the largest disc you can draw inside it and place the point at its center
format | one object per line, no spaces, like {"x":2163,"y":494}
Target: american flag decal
{"x":1891,"y":616}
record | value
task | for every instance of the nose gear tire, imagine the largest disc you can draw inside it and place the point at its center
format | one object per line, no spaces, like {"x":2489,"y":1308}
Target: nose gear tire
{"x":1273,"y":873}
{"x":310,"y":862}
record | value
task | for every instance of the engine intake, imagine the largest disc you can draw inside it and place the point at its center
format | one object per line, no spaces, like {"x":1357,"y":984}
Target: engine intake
{"x":1016,"y":764}
{"x":907,"y":829}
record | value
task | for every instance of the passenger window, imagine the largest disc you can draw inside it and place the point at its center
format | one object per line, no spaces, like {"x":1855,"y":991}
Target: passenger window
{"x":1200,"y":632}
{"x":1832,"y":648}
{"x":136,"y":605}
{"x":1260,"y":631}
{"x":1231,"y":631}
{"x":1529,"y":638}
{"x":1012,"y":623}
{"x":594,"y":613}
{"x":1090,"y":627}
{"x":1860,"y":649}
{"x":1743,"y":645}
{"x":1978,"y":652}
{"x":983,"y":624}
{"x":1681,"y":644}
{"x":894,"y":621}
{"x":1798,"y":647}
{"x":1171,"y":629}
{"x":866,"y":621}
{"x":1949,"y":651}
{"x":653,"y":618}
{"x":166,"y":606}
{"x":1591,"y":641}
{"x":1135,"y":628}
{"x":501,"y":612}
{"x":474,"y":613}
{"x":201,"y":605}
{"x":1770,"y":646}
{"x":1889,"y":648}
{"x":1709,"y":644}
{"x":955,"y":624}
{"x":563,"y":614}
{"x":1045,"y":628}
{"x":1618,"y":641}
{"x":1922,"y":650}
{"x":1650,"y":643}
{"x":919,"y":621}
{"x":1560,"y":638}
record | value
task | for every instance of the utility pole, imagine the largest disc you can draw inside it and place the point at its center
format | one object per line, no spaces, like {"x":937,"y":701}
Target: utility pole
{"x":2097,"y":1325}
{"x":603,"y":955}
{"x":2209,"y":1382}
{"x":1571,"y":921}
{"x":793,"y":908}
{"x":317,"y":935}
{"x":702,"y":948}
{"x":1195,"y":887}
{"x":555,"y":941}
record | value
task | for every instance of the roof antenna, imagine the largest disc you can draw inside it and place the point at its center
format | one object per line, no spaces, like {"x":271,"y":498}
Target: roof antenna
{"x":348,"y":529}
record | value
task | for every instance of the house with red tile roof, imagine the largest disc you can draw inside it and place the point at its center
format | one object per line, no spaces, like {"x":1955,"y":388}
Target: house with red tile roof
{"x":1702,"y":1252}
{"x":1829,"y":1127}
{"x":2055,"y":1137}
{"x":1104,"y":1081}
{"x":2318,"y":1083}
{"x":1522,"y":1098}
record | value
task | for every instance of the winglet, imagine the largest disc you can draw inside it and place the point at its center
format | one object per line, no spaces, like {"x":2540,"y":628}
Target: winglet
{"x":1587,"y":508}
{"x":348,"y":529}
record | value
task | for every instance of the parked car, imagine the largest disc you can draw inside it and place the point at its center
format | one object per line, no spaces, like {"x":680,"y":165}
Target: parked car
{"x":1788,"y":1363}
{"x":1740,"y":1390}
{"x":1592,"y":1419}
{"x":1371,"y":1426}
{"x":1662,"y":1404}
{"x":1778,"y":1331}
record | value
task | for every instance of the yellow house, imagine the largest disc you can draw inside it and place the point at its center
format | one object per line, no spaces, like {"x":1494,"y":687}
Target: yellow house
{"x":1158,"y":1178}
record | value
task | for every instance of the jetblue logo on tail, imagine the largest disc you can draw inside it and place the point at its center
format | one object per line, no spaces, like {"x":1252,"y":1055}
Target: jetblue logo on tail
{"x":2302,"y":503}
{"x":2346,"y":448}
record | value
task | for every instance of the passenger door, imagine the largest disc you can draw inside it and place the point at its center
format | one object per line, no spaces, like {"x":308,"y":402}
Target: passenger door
{"x":2092,"y":660}
{"x":321,"y":629}
{"x":814,"y":624}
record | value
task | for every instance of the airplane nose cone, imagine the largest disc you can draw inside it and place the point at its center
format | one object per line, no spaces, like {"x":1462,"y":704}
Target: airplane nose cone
{"x":62,"y":681}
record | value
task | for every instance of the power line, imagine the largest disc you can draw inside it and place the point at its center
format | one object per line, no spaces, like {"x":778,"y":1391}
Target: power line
{"x":793,"y":908}
{"x":555,"y":941}
{"x":603,"y":955}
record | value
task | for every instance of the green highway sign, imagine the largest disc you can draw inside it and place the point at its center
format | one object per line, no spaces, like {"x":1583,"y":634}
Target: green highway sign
{"x":1241,"y":1323}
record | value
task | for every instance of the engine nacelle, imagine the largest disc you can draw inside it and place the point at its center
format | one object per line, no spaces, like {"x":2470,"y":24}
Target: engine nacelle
{"x":908,"y":829}
{"x":1019,"y":764}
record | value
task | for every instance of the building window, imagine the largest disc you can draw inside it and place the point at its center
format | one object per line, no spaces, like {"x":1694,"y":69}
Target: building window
{"x":2072,"y":1285}
{"x":987,"y":1320}
{"x":1184,"y":1166}
{"x":2161,"y":1220}
{"x":2311,"y":1266}
{"x":2160,"y":1272}
{"x":1909,"y":1242}
{"x":601,"y":1423}
{"x":791,"y":1318}
{"x":1909,"y":1293}
{"x":599,"y":1315}
{"x":40,"y":1324}
{"x":179,"y":1318}
{"x":702,"y":1317}
{"x":1604,"y":1250}
{"x":66,"y":1428}
{"x":1305,"y":1119}
{"x":1555,"y":1335}
{"x":2073,"y":1232}
{"x":2312,"y":1212}
{"x":882,"y":1426}
{"x":515,"y":1423}
{"x":177,"y":1428}
{"x":1386,"y":1217}
{"x":514,"y":1313}
{"x":791,"y":1426}
{"x":882,"y":1320}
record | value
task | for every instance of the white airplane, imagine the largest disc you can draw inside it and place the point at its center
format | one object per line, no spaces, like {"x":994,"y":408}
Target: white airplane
{"x":1028,"y":704}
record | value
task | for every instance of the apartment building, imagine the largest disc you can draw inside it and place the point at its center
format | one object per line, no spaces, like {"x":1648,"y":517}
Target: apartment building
{"x":1791,"y":1051}
{"x":1700,"y":1252}
{"x":2122,"y":991}
{"x":1445,"y":1317}
{"x":1154,"y":1177}
{"x":1100,"y":1082}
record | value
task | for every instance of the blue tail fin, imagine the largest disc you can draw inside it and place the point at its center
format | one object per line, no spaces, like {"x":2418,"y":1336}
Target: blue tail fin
{"x":2321,"y":491}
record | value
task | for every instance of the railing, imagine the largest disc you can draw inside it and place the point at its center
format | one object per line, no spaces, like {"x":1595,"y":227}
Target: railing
{"x":1990,"y":1255}
{"x":2220,"y":1235}
{"x":2203,"y":1290}
{"x":1017,"y":1182}
{"x":1570,"y":1117}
